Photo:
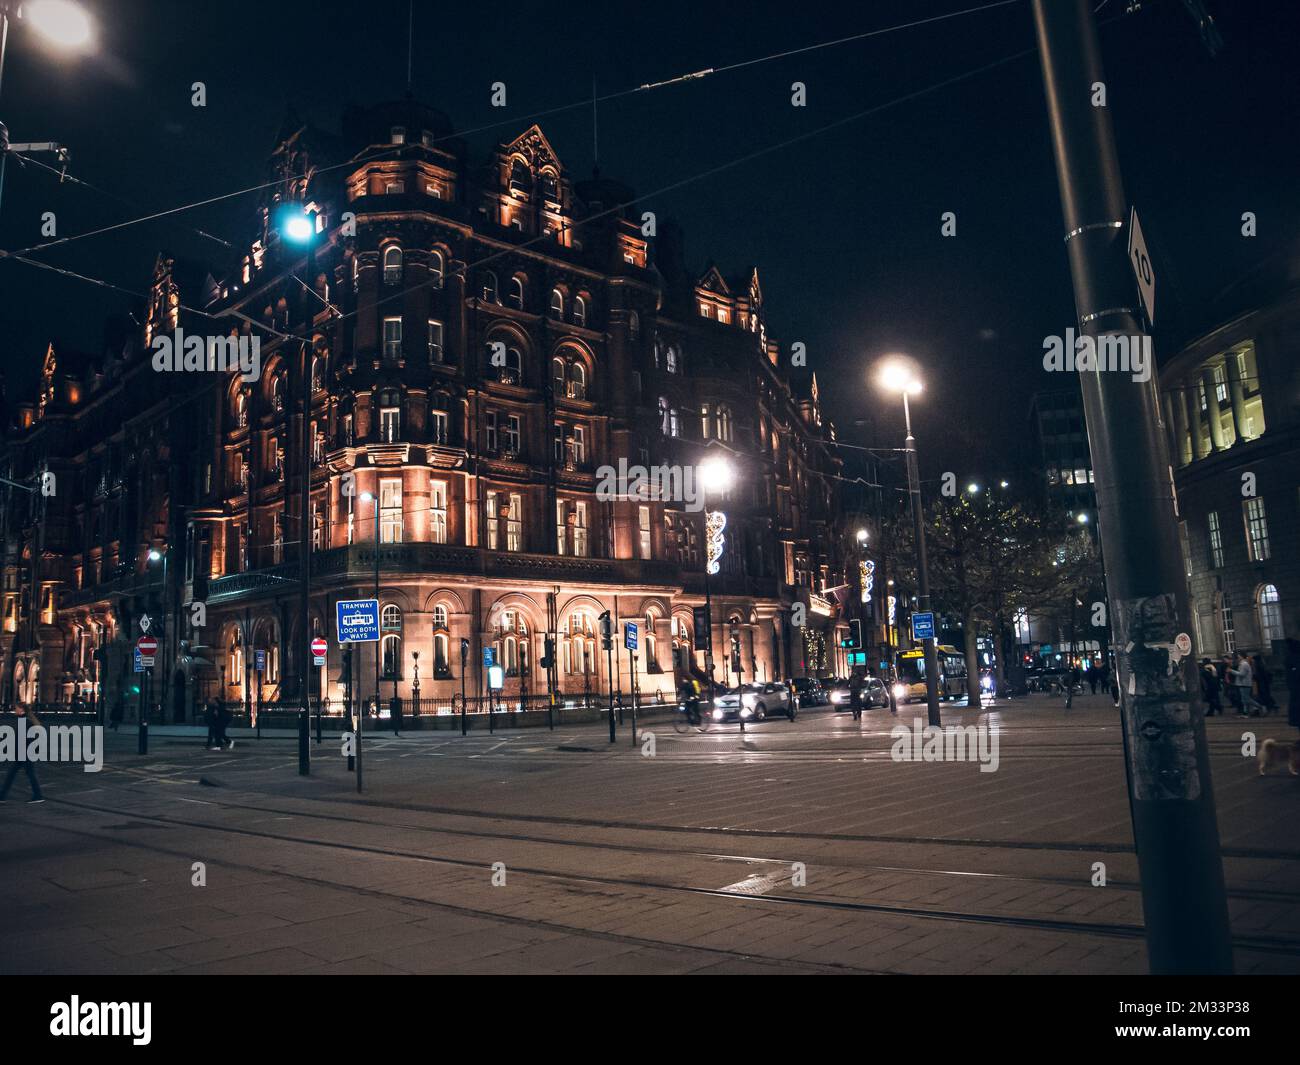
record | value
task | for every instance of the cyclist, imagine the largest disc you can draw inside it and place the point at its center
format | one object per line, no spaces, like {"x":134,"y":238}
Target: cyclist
{"x":690,"y":698}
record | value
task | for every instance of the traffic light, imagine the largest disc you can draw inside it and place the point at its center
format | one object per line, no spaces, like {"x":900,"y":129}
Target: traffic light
{"x":853,"y":642}
{"x":548,"y":653}
{"x":606,"y":632}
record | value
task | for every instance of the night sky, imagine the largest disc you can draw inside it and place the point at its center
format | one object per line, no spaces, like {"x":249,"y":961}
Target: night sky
{"x":844,"y":226}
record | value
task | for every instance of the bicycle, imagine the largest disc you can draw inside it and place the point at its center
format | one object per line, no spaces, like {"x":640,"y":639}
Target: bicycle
{"x":687,"y":716}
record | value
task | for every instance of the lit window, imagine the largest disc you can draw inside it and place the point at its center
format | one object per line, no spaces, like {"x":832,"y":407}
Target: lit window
{"x":1256,"y":529}
{"x":1226,"y":624}
{"x":392,"y":338}
{"x":397,"y":135}
{"x":516,"y":297}
{"x":643,"y":525}
{"x":395,"y":188}
{"x":579,"y":311}
{"x":439,"y":422}
{"x":390,"y":510}
{"x":392,"y":657}
{"x":1270,"y":615}
{"x":557,"y":304}
{"x":1216,"y":541}
{"x":435,"y":341}
{"x":390,"y":424}
{"x":438,"y":516}
{"x":436,"y":268}
{"x":670,"y":359}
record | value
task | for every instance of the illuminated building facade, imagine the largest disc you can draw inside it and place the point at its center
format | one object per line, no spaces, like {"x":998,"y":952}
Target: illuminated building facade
{"x":451,"y":356}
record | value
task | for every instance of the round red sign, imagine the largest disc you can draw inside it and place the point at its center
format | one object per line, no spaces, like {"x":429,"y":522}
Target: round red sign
{"x":147,"y":645}
{"x":319,"y":646}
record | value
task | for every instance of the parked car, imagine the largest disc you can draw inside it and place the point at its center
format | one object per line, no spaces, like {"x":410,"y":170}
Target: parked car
{"x":811,"y":692}
{"x":754,"y":702}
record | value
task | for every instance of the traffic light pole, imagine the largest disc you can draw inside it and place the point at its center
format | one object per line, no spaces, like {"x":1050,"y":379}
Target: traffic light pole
{"x":1174,"y":825}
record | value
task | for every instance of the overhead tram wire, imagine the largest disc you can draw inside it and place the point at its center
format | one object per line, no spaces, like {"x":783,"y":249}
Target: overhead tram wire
{"x":589,"y":101}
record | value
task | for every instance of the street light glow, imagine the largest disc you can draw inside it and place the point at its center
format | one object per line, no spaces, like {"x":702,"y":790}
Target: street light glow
{"x":973,"y":488}
{"x":715,"y":474}
{"x":298,"y":228}
{"x":60,"y":21}
{"x":862,"y":536}
{"x":897,"y":374}
{"x":154,"y":554}
{"x":366,"y":497}
{"x":1083,"y":519}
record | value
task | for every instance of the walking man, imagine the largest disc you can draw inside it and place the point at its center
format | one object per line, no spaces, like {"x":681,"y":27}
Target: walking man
{"x":32,"y":722}
{"x":1241,"y":676}
{"x":1211,"y":687}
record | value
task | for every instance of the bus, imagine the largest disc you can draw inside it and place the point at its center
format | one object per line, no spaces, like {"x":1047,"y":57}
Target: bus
{"x":910,"y":673}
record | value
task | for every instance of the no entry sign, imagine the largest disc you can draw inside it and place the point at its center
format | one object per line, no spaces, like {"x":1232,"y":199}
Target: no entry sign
{"x":148,"y":647}
{"x":318,"y":649}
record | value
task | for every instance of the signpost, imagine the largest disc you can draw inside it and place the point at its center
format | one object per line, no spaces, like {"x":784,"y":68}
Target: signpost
{"x":630,"y":636}
{"x":357,"y":621}
{"x":146,"y":647}
{"x":1140,"y":260}
{"x":318,"y":648}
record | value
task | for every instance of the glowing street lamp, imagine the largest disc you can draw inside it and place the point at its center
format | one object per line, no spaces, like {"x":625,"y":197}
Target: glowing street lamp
{"x":60,"y":21}
{"x":898,"y":373}
{"x":862,"y":536}
{"x":715,"y":475}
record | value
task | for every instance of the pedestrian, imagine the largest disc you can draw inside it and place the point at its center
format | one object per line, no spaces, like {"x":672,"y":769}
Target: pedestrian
{"x":855,"y":695}
{"x":1211,"y":688}
{"x":1241,"y":676}
{"x":1264,"y":684}
{"x":1093,"y":680}
{"x":210,"y":715}
{"x":395,"y":712}
{"x":1071,"y":682}
{"x":223,"y":720}
{"x":32,"y":722}
{"x":119,"y":709}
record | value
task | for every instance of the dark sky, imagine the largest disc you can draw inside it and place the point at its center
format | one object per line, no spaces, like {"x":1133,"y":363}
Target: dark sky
{"x":844,"y":226}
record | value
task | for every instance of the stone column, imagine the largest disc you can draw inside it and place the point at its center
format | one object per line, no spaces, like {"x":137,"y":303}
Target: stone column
{"x":1179,"y":395}
{"x":1237,"y":394}
{"x":1200,"y":445}
{"x":1212,"y":402}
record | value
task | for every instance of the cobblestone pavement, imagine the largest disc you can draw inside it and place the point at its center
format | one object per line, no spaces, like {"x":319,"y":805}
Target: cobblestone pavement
{"x":793,"y":847}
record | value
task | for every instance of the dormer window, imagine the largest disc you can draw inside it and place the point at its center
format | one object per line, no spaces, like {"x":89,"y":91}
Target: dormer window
{"x":550,"y":187}
{"x":521,"y":181}
{"x":397,"y":135}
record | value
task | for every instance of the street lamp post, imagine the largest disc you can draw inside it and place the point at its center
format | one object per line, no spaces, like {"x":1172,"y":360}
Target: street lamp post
{"x":156,"y":555}
{"x":897,"y":375}
{"x":60,"y":21}
{"x":716,"y":475}
{"x":367,"y":497}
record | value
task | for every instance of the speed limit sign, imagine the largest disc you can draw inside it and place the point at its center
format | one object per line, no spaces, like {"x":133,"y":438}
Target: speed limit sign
{"x":1140,"y":259}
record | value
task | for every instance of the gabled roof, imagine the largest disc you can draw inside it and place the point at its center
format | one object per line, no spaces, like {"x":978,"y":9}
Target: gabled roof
{"x":713,"y":281}
{"x":534,"y":146}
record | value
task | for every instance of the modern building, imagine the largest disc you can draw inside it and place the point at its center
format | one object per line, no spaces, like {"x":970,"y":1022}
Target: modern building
{"x":1231,"y":404}
{"x":1061,"y":446}
{"x":454,"y":362}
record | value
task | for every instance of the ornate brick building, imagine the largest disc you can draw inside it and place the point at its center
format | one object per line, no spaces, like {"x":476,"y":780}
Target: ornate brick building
{"x":468,"y":348}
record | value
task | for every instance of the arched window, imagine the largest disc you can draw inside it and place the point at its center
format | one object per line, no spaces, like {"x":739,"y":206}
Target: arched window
{"x":520,"y":178}
{"x":318,"y":373}
{"x":392,"y":264}
{"x":557,"y":304}
{"x":489,"y":293}
{"x":441,"y":660}
{"x":550,"y":187}
{"x":516,"y":297}
{"x":440,"y":616}
{"x":512,"y":642}
{"x":241,"y":410}
{"x":356,"y":273}
{"x":724,"y":423}
{"x":277,"y":392}
{"x":577,"y":380}
{"x":557,"y":375}
{"x":579,"y":311}
{"x":392,"y":665}
{"x":633,"y":325}
{"x":578,"y":646}
{"x":437,"y":268}
{"x":670,"y":358}
{"x":651,"y":643}
{"x":511,"y":371}
{"x":1270,"y":615}
{"x":391,"y":618}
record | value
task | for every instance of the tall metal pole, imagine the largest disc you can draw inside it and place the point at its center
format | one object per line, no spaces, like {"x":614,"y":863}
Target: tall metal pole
{"x":1174,"y":826}
{"x":922,"y":570}
{"x":4,"y":133}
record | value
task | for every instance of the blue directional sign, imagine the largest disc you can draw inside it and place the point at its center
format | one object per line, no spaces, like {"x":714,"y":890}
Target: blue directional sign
{"x":630,"y":636}
{"x":259,"y":658}
{"x":357,"y":620}
{"x":489,"y":657}
{"x":923,"y":626}
{"x":139,"y":660}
